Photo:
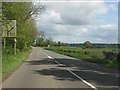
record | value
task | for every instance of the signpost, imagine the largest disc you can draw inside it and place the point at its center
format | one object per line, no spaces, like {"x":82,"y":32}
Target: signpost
{"x":9,"y":31}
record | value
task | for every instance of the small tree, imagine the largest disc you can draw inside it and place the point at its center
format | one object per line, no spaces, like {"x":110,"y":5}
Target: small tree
{"x":87,"y":44}
{"x":59,"y":43}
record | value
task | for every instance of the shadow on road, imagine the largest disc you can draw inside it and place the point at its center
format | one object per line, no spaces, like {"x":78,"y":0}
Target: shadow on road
{"x":88,"y":71}
{"x":59,"y":74}
{"x":91,"y":72}
{"x":46,"y":61}
{"x":100,"y":79}
{"x":84,"y":65}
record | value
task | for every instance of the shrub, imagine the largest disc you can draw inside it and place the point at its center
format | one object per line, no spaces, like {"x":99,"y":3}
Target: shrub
{"x":118,"y":58}
{"x":110,"y":55}
{"x":7,"y":50}
{"x":96,"y":55}
{"x":86,"y":53}
{"x":17,"y":50}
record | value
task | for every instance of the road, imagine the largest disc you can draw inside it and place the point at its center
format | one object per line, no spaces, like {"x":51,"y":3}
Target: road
{"x":46,"y":69}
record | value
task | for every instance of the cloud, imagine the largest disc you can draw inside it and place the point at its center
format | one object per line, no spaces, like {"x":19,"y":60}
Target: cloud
{"x":77,"y":22}
{"x":108,"y":27}
{"x":113,"y":6}
{"x":105,"y":33}
{"x":84,"y":14}
{"x":74,"y":13}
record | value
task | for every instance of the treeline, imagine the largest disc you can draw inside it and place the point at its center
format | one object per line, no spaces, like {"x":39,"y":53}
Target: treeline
{"x":96,"y":45}
{"x":41,"y":41}
{"x":24,"y":14}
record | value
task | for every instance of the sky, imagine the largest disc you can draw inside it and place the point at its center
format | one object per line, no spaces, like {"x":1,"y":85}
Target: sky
{"x":77,"y":22}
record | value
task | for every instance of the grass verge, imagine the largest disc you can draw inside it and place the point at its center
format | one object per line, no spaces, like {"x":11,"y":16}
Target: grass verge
{"x":12,"y":62}
{"x":106,"y":63}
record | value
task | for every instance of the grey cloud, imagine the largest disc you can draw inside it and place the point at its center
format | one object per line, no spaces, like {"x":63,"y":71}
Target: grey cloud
{"x":77,"y":13}
{"x":75,"y":22}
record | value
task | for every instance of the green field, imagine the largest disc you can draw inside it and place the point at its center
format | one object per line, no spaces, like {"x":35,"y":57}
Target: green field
{"x":94,"y":55}
{"x":11,"y":62}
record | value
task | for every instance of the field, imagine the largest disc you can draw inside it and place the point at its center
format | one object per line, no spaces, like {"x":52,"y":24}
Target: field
{"x":103,"y":56}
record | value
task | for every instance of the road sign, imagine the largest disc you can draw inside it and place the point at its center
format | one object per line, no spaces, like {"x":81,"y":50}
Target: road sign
{"x":9,"y":31}
{"x":8,"y":28}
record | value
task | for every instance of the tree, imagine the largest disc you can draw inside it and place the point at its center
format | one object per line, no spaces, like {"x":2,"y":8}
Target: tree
{"x":59,"y":43}
{"x":24,"y":13}
{"x":87,"y":44}
{"x":20,"y":11}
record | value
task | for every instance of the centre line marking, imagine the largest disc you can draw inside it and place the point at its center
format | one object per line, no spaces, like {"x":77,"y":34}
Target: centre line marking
{"x":83,"y":80}
{"x":93,"y":87}
{"x":79,"y":77}
{"x":58,"y":63}
{"x":50,"y":57}
{"x":47,"y":55}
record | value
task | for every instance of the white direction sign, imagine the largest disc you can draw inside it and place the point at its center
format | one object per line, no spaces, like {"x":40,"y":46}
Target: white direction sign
{"x":9,"y":28}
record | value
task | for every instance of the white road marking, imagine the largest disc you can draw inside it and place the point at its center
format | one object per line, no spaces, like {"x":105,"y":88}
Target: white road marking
{"x":44,"y":53}
{"x":83,"y":80}
{"x":50,"y":57}
{"x":47,"y":55}
{"x":58,"y":63}
{"x":79,"y":77}
{"x":72,"y":73}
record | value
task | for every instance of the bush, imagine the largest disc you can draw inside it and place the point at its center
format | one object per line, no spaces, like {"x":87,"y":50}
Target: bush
{"x":17,"y":50}
{"x":110,"y":55}
{"x":118,"y":58}
{"x":96,"y":55}
{"x":86,"y":53}
{"x":7,"y":50}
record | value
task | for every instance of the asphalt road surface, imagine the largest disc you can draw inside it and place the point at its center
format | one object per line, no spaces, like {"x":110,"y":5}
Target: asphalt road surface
{"x":46,"y":69}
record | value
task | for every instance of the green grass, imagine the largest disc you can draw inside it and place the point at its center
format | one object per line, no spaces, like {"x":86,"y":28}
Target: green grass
{"x":94,"y":55}
{"x":11,"y":62}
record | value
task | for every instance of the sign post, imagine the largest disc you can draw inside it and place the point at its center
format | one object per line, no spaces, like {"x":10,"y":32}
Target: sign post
{"x":4,"y":42}
{"x":15,"y":46}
